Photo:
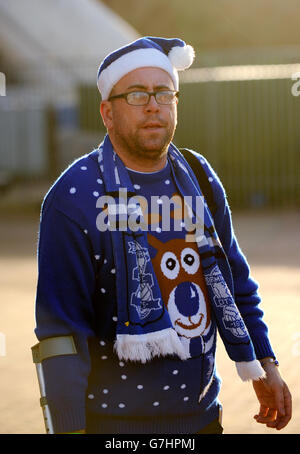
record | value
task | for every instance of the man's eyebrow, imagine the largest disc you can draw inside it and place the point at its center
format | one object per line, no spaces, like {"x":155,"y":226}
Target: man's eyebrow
{"x":137,"y":86}
{"x":162,"y":87}
{"x":143,"y":87}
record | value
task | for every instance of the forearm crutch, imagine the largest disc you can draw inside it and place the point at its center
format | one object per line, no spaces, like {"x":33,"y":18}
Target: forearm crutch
{"x":47,"y":348}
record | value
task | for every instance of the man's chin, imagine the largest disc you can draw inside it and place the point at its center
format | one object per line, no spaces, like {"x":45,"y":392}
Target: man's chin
{"x":155,"y":145}
{"x":154,"y":151}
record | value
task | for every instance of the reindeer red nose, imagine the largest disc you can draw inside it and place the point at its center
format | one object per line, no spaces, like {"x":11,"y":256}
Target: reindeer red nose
{"x":187,"y":299}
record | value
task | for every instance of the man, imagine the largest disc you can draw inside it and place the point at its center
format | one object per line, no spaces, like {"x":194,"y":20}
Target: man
{"x":144,"y":298}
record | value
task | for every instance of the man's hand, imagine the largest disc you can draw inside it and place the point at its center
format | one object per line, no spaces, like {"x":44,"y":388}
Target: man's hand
{"x":274,"y":397}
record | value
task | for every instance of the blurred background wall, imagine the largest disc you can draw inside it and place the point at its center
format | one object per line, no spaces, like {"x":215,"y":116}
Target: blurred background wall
{"x":48,"y":50}
{"x":239,"y":104}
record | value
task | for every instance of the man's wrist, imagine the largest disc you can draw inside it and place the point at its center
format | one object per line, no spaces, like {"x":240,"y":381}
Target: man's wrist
{"x":269,"y":361}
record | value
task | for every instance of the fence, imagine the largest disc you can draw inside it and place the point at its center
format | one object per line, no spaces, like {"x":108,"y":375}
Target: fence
{"x":23,"y":133}
{"x":244,"y":119}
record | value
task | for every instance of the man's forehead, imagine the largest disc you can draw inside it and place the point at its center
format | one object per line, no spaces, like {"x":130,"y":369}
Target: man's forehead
{"x":145,"y":77}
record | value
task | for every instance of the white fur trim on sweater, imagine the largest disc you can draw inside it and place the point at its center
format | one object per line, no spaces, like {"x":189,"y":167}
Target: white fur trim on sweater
{"x":144,"y":347}
{"x":250,"y":370}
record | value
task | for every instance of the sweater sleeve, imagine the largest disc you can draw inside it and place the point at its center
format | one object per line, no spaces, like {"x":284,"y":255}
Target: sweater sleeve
{"x":64,"y":306}
{"x":245,"y":287}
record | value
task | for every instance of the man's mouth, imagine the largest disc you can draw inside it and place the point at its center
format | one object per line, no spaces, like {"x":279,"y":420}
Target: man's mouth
{"x":152,"y":125}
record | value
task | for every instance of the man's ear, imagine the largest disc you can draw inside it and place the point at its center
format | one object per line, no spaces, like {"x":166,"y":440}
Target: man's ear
{"x":106,"y":114}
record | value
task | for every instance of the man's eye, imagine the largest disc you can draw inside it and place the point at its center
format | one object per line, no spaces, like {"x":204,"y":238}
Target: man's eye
{"x":137,"y":96}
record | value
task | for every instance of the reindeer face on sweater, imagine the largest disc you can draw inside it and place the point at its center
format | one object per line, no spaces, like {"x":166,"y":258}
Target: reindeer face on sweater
{"x":178,"y":269}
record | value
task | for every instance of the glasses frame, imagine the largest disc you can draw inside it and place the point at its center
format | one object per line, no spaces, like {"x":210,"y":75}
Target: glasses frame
{"x":149,"y":93}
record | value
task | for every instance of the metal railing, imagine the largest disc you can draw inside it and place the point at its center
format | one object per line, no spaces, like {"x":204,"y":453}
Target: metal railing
{"x":245,"y":120}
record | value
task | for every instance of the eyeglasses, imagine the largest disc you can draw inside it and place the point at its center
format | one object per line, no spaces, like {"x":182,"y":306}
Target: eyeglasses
{"x":142,"y":98}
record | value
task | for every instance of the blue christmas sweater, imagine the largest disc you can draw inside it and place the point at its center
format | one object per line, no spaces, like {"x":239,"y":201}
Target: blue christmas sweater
{"x":76,"y":295}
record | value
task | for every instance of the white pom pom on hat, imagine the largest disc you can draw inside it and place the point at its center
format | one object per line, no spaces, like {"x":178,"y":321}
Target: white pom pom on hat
{"x":181,"y":57}
{"x":171,"y":55}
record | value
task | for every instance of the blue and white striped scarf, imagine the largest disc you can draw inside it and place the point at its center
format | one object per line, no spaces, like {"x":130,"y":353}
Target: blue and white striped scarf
{"x":144,"y":328}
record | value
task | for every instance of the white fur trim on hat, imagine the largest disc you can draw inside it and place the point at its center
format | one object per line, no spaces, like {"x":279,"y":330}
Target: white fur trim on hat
{"x":138,"y":58}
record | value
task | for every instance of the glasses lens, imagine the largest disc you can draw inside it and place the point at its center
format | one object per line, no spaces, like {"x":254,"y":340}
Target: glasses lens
{"x":165,"y":97}
{"x":137,"y":98}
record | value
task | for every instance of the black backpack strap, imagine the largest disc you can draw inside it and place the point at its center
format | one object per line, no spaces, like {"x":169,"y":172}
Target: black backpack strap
{"x":202,"y":178}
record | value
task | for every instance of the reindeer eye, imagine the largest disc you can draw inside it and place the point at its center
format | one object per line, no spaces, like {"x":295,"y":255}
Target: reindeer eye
{"x":190,"y":260}
{"x":170,"y":265}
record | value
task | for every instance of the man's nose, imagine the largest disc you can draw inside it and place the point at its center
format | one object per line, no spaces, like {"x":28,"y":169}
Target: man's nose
{"x":152,"y":104}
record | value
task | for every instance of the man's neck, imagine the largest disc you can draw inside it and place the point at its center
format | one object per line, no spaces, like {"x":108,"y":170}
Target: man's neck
{"x":144,"y":165}
{"x":143,"y":162}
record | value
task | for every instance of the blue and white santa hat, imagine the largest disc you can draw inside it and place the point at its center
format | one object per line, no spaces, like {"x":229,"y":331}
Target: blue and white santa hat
{"x":171,"y":55}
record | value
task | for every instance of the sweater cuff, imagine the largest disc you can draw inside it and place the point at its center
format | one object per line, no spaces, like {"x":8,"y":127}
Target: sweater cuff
{"x":68,"y":420}
{"x":263,"y":348}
